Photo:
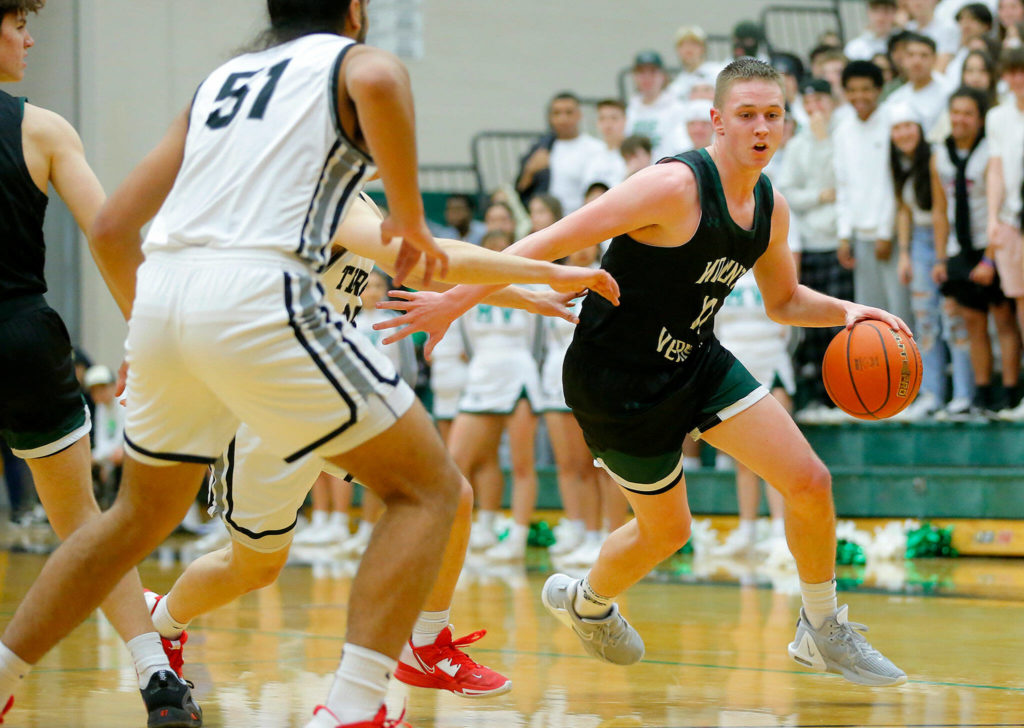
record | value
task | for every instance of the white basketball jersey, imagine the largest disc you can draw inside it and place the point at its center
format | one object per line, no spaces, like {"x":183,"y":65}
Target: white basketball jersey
{"x":267,"y":164}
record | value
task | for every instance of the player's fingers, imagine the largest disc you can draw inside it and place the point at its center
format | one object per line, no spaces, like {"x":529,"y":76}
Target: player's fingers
{"x":428,"y":270}
{"x":398,"y":335}
{"x":393,"y":323}
{"x":398,"y":293}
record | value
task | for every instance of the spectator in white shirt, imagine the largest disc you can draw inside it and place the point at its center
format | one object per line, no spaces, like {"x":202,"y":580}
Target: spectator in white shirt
{"x":691,"y":49}
{"x":608,"y":167}
{"x":875,"y":38}
{"x":1004,"y":127}
{"x":698,"y":123}
{"x":555,"y":162}
{"x":865,"y":201}
{"x":792,"y":70}
{"x":1009,"y":13}
{"x":636,"y":150}
{"x":945,"y":34}
{"x":924,"y":90}
{"x":947,"y":10}
{"x":654,"y":112}
{"x":975,"y":21}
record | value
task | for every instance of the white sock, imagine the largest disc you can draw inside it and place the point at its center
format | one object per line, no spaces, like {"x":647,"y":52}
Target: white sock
{"x":592,"y":537}
{"x":820,"y":601}
{"x":588,"y":603}
{"x":319,"y":519}
{"x":365,"y":529}
{"x":148,"y":655}
{"x":518,"y":534}
{"x":338,"y":518}
{"x":428,"y":626}
{"x":486,"y":518}
{"x":691,"y":463}
{"x":747,"y":528}
{"x":360,"y":684}
{"x":778,"y":528}
{"x":168,"y":627}
{"x":13,"y":670}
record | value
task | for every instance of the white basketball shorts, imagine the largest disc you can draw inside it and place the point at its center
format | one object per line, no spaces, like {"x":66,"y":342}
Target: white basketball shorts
{"x":218,"y":338}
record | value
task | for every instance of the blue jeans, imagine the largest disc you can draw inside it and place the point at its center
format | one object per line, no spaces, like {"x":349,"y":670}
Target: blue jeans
{"x":935,"y":328}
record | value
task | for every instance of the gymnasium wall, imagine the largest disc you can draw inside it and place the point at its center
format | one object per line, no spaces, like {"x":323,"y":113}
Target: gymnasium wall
{"x":121,"y":69}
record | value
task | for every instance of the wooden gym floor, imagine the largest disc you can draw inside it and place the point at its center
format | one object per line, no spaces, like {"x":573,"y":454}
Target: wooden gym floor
{"x":716,"y":636}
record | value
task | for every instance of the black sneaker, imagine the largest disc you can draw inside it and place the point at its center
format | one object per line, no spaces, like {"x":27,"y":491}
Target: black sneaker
{"x":169,"y":702}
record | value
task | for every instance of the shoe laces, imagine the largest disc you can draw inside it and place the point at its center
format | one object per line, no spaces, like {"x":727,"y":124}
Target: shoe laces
{"x":851,"y":633}
{"x":445,"y":647}
{"x":174,"y":649}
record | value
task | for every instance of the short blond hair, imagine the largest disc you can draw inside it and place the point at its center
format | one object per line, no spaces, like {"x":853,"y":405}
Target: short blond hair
{"x":745,"y":69}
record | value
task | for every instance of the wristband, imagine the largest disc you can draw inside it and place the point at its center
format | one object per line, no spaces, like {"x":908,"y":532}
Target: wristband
{"x":988,"y":261}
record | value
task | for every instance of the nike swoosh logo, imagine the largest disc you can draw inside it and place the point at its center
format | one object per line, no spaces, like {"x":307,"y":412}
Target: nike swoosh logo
{"x":423,"y":666}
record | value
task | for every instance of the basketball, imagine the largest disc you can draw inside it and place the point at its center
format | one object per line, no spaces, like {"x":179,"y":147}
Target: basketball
{"x":871,"y":371}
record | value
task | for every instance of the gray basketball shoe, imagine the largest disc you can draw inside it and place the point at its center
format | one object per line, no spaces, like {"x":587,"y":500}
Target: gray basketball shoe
{"x":839,"y":647}
{"x":610,"y":638}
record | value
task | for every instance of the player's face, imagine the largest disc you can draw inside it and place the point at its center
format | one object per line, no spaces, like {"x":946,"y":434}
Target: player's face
{"x":918,"y":62}
{"x":1014,"y":78}
{"x":690,"y":52}
{"x":700,"y":133}
{"x":14,"y":44}
{"x":881,"y":19}
{"x":751,"y":121}
{"x":964,"y":119}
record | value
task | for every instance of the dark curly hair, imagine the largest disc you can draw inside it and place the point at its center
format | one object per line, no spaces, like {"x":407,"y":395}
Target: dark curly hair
{"x":20,"y":6}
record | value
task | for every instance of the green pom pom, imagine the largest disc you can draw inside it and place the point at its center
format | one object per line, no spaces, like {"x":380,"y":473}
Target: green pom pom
{"x":540,"y":535}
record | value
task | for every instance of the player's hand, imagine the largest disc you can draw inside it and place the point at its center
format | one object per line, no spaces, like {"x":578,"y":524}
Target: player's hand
{"x":845,"y":255}
{"x":856,"y":312}
{"x":1001,"y":235}
{"x":905,"y":268}
{"x":555,"y":304}
{"x":883,"y":249}
{"x":940,"y":274}
{"x":539,"y":160}
{"x":416,"y":240}
{"x":426,"y":311}
{"x":570,"y":278}
{"x":984,"y":273}
{"x":122,"y":381}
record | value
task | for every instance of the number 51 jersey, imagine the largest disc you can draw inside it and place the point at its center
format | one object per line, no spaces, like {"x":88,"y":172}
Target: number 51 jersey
{"x":267,"y":164}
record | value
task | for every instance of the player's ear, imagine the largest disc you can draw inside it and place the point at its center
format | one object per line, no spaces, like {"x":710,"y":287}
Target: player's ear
{"x":716,"y":120}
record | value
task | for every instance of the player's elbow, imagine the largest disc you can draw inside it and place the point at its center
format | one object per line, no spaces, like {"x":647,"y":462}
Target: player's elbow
{"x":106,"y":232}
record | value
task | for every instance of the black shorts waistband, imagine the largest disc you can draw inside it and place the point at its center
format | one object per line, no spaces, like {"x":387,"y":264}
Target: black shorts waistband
{"x":22,"y":304}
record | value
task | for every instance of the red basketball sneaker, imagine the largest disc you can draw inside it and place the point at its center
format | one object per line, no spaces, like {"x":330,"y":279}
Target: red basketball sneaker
{"x":174,"y":649}
{"x":443,"y":666}
{"x":379,"y":721}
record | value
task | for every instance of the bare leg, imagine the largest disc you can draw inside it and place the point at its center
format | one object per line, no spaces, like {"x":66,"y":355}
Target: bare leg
{"x":440,"y":597}
{"x":444,"y":427}
{"x":474,"y":447}
{"x":765,"y":438}
{"x":1009,"y":343}
{"x":151,"y":503}
{"x":981,"y":345}
{"x":64,"y":484}
{"x":340,"y":492}
{"x":220,"y":577}
{"x":522,"y":430}
{"x":372,"y":506}
{"x":614,"y":506}
{"x":569,"y":485}
{"x":408,"y":467}
{"x":661,"y":527}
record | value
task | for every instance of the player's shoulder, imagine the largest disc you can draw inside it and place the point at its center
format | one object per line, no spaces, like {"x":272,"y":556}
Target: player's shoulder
{"x":48,"y":127}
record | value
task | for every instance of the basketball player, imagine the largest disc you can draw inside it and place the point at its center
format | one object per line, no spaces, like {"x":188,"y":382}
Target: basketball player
{"x":260,"y":494}
{"x":642,"y":376}
{"x":43,"y":416}
{"x":249,"y":183}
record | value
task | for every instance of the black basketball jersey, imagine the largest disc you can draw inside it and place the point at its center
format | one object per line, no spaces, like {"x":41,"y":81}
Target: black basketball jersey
{"x":22,"y":209}
{"x":664,"y":326}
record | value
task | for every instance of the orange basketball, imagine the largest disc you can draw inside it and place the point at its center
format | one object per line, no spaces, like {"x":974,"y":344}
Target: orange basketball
{"x":871,"y":371}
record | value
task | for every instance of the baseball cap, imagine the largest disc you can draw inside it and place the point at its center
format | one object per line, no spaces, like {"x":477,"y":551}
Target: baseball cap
{"x":816,"y":86}
{"x":748,"y":29}
{"x":648,"y":58}
{"x":900,"y":112}
{"x":691,"y":32}
{"x":98,"y":374}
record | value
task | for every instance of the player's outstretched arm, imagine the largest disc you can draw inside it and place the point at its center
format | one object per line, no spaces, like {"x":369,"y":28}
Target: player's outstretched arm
{"x":116,"y":233}
{"x":377,"y":83}
{"x":654,"y":200}
{"x":360,"y":232}
{"x":788,"y":302}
